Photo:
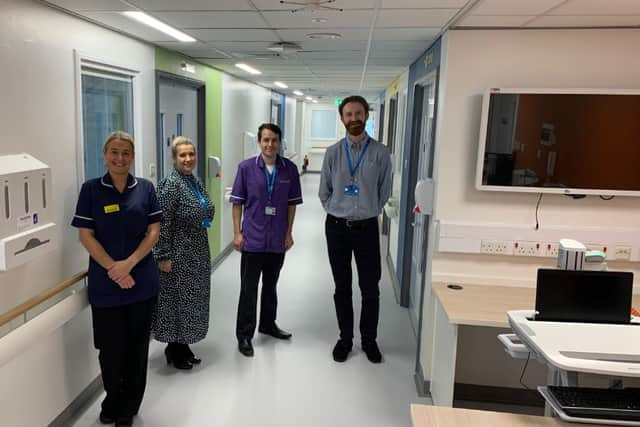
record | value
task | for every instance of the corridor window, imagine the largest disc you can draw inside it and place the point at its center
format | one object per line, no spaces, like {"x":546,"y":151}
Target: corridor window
{"x":323,"y":124}
{"x":107,"y":106}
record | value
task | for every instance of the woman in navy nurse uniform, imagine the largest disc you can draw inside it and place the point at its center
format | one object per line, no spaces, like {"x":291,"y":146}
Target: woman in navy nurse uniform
{"x":119,"y":217}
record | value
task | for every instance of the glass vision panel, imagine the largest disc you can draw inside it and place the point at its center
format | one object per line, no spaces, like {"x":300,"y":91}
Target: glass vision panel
{"x":581,"y":141}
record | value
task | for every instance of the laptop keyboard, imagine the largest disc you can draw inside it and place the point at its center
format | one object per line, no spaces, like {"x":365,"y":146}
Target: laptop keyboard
{"x":602,"y":403}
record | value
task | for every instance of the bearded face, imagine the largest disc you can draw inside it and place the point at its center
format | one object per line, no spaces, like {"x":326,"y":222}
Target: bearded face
{"x":354,"y":118}
{"x":355,"y":127}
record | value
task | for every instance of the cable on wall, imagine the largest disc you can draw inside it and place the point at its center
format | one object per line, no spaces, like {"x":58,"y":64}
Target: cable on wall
{"x":538,"y":208}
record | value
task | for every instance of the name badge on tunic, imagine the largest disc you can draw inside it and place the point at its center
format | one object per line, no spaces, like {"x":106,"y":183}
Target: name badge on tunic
{"x":270,"y":210}
{"x":351,"y":190}
{"x":111,"y":208}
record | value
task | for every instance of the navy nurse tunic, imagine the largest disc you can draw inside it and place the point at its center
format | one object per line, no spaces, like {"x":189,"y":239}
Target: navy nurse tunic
{"x":119,"y":221}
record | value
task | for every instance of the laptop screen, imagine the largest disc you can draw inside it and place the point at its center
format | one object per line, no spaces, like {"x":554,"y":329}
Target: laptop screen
{"x":584,"y":296}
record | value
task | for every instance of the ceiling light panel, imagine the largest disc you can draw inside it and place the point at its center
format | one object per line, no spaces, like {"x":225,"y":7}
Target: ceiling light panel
{"x":281,"y":85}
{"x":159,"y":25}
{"x":249,"y":69}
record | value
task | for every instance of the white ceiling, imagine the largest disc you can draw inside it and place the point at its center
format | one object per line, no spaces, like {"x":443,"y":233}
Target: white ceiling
{"x":380,"y":38}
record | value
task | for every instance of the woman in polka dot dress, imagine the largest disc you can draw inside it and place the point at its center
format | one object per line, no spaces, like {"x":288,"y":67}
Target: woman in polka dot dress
{"x":182,"y":315}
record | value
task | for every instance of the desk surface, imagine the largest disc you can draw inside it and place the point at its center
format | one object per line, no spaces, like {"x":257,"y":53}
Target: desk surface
{"x":440,"y":416}
{"x":487,"y":305}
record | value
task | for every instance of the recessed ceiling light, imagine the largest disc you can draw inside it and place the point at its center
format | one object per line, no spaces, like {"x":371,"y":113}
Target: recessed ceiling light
{"x":331,"y":36}
{"x":319,"y":20}
{"x":248,"y":68}
{"x":297,"y":92}
{"x":315,"y":101}
{"x":308,"y":98}
{"x":280,"y":84}
{"x":158,"y":25}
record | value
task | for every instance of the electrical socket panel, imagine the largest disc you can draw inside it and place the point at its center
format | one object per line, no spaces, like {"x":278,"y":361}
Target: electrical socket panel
{"x":597,"y":247}
{"x":551,"y":249}
{"x":526,"y":248}
{"x":495,"y":247}
{"x":623,"y":253}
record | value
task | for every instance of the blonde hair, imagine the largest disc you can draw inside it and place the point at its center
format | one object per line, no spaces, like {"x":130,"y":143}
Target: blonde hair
{"x":122,"y":136}
{"x":180,"y":140}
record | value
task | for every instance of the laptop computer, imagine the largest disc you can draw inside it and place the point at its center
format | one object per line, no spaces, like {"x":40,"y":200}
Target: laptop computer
{"x":584,"y":296}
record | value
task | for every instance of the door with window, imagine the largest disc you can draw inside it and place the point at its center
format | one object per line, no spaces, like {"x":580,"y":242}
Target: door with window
{"x":180,"y":113}
{"x":426,"y":94}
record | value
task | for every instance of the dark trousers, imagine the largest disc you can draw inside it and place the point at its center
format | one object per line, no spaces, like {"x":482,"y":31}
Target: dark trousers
{"x":362,"y":239}
{"x":252,"y":264}
{"x":121,"y":334}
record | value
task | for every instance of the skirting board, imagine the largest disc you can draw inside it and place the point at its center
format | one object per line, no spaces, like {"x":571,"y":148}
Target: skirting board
{"x":215,"y":263}
{"x":79,"y":404}
{"x":394,"y":280}
{"x":422,"y":386}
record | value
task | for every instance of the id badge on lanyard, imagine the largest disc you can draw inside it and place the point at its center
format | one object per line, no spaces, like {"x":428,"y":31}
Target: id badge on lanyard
{"x":270,"y":210}
{"x":206,"y":223}
{"x":352,"y":190}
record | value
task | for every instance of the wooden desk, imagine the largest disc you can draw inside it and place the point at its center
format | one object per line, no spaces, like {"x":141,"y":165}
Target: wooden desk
{"x":473,"y":305}
{"x":438,"y":416}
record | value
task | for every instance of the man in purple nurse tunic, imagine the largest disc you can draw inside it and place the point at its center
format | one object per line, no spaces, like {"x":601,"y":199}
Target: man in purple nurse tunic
{"x":265,"y":193}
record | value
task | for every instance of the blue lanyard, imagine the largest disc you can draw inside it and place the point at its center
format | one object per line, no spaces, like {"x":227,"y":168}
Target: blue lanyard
{"x":206,"y":223}
{"x":353,"y":170}
{"x":271,"y":179}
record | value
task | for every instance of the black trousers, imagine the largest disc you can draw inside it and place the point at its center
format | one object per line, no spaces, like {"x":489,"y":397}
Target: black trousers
{"x":252,"y":265}
{"x":121,"y":334}
{"x":360,"y":238}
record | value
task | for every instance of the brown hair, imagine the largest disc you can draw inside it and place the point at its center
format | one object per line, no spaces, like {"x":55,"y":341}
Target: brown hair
{"x":354,"y":98}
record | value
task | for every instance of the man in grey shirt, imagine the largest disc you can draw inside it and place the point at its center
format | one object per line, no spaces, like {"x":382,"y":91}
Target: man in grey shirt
{"x":354,"y":186}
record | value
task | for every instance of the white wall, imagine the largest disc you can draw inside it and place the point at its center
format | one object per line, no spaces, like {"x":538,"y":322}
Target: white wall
{"x":290,"y":129}
{"x":315,"y":148}
{"x":477,"y":60}
{"x":245,"y":107}
{"x":39,"y":117}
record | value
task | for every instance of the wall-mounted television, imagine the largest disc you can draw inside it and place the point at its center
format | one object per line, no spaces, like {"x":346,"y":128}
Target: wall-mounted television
{"x":573,"y":141}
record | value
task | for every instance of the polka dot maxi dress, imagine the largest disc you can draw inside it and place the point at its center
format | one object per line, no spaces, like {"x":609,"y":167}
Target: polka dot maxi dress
{"x":182,"y":315}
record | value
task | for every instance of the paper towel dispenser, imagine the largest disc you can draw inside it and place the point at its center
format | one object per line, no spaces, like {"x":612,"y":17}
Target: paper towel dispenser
{"x":27,"y":229}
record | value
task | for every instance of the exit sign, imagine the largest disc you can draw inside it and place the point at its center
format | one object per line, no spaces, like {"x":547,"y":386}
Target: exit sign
{"x":337,"y":102}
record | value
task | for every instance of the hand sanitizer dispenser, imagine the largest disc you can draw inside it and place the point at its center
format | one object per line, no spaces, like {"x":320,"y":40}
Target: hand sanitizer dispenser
{"x":26,"y":227}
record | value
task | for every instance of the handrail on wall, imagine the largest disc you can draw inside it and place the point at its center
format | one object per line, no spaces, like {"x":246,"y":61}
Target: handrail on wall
{"x":40,"y":298}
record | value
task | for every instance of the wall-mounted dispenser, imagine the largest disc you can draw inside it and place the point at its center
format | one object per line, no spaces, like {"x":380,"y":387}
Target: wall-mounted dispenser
{"x":423,"y":194}
{"x":214,"y":165}
{"x":26,"y":212}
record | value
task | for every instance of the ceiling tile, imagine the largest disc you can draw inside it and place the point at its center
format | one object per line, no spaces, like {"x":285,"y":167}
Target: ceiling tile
{"x":414,"y":17}
{"x":190,"y":5}
{"x":247,"y":19}
{"x":585,"y":21}
{"x":494,"y":21}
{"x":344,"y":4}
{"x":514,"y":7}
{"x":417,"y":34}
{"x":423,"y":4}
{"x":95,"y":6}
{"x":233,"y":35}
{"x":598,"y":7}
{"x":348,"y":19}
{"x":347,"y":34}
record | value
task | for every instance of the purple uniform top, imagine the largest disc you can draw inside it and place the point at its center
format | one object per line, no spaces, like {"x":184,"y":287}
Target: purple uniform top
{"x":262,"y":232}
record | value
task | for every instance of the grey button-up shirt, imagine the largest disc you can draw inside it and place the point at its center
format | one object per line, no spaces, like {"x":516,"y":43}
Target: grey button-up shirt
{"x":373,"y":179}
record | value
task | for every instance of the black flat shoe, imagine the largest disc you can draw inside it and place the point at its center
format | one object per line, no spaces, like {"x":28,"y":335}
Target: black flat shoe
{"x":275,"y":332}
{"x":105,"y":419}
{"x":124,"y":422}
{"x":341,"y":350}
{"x":245,"y":347}
{"x":372,"y":351}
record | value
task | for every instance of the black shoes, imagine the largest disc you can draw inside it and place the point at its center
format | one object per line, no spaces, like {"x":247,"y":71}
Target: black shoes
{"x":372,"y":351}
{"x":275,"y":332}
{"x":341,"y":350}
{"x":191,"y":358}
{"x":124,"y":422}
{"x":245,"y":347}
{"x":105,"y":419}
{"x":177,"y":358}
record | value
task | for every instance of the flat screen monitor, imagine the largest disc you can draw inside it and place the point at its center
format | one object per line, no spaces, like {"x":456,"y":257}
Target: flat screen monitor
{"x":560,"y":141}
{"x":584,"y":296}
